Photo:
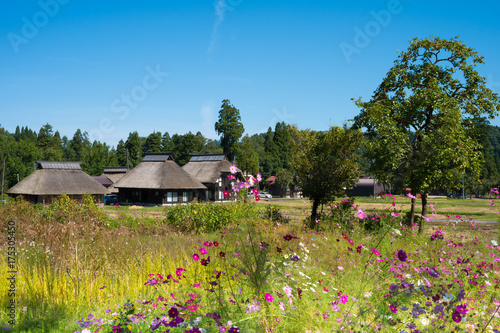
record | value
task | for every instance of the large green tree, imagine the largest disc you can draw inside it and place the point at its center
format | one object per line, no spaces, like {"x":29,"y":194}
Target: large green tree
{"x":230,"y":128}
{"x":325,"y":164}
{"x":421,"y":119}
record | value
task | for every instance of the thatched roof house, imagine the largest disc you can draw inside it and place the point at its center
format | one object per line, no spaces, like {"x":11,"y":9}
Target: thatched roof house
{"x":158,"y":180}
{"x":115,"y":173}
{"x":110,"y":176}
{"x":53,"y":179}
{"x":211,"y":170}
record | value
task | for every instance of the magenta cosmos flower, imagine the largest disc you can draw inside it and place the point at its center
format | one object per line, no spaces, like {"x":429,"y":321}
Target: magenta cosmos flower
{"x":269,"y":297}
{"x":196,"y":257}
{"x":402,"y":255}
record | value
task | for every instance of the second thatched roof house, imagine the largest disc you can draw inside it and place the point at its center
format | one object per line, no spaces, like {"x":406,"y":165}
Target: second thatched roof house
{"x":212,"y":170}
{"x":53,"y":179}
{"x":158,"y":180}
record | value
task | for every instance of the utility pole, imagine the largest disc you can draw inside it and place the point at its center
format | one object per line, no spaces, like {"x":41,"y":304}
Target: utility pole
{"x":128,"y":166}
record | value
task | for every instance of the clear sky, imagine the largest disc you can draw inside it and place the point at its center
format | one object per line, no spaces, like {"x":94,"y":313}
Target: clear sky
{"x":112,"y":67}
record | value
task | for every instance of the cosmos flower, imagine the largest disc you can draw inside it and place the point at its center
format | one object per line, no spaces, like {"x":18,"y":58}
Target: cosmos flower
{"x":233,"y":169}
{"x":402,"y":256}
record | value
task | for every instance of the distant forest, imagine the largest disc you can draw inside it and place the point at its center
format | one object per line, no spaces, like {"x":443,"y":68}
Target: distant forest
{"x":268,"y":153}
{"x":265,"y":152}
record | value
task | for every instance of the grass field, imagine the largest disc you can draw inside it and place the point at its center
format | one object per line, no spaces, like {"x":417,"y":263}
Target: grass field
{"x":131,"y":269}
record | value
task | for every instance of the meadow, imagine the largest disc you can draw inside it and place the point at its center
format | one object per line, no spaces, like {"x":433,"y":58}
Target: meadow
{"x":251,"y":267}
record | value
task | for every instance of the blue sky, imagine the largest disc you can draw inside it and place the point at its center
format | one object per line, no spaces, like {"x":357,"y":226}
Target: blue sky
{"x":113,"y":67}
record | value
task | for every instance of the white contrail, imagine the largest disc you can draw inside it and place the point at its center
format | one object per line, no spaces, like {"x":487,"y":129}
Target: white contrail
{"x":220,"y":11}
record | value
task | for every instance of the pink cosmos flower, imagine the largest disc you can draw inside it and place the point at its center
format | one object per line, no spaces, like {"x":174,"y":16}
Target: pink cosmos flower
{"x":233,"y":169}
{"x":196,"y":257}
{"x":375,"y":251}
{"x":203,"y":250}
{"x":361,"y":215}
{"x":269,"y":297}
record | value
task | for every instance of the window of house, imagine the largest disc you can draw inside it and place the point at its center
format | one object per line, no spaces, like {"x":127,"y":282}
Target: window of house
{"x":174,"y":197}
{"x":184,"y":196}
{"x":169,"y":196}
{"x":220,"y":195}
{"x":220,"y":181}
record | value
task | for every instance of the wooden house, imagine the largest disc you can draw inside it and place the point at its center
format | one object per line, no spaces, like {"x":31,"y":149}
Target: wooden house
{"x":110,"y":176}
{"x":211,"y":170}
{"x":158,"y":180}
{"x":53,"y":179}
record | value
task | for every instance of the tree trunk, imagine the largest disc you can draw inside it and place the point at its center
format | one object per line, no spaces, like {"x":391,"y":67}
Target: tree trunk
{"x":424,"y":213}
{"x":314,"y":214}
{"x":412,"y":211}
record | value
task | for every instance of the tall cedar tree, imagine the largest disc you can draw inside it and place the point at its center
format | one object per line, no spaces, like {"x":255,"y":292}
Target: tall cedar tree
{"x":421,"y":118}
{"x":230,"y":128}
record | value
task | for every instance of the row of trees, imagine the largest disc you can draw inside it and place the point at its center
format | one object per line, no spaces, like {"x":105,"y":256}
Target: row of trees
{"x":425,"y":128}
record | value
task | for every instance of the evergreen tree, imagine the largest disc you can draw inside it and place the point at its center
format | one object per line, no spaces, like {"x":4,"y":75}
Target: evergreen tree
{"x":166,"y":143}
{"x":49,"y":145}
{"x":247,"y":159}
{"x":270,"y":159}
{"x":134,"y":146}
{"x":282,"y":146}
{"x":153,"y":143}
{"x":121,"y":153}
{"x":78,"y":146}
{"x":17,"y":135}
{"x":230,"y":128}
{"x":211,"y":148}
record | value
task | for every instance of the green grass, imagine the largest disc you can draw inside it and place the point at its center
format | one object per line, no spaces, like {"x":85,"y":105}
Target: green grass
{"x":90,"y":262}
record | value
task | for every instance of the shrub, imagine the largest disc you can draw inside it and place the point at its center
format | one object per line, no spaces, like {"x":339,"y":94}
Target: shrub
{"x":273,"y":213}
{"x":207,"y":217}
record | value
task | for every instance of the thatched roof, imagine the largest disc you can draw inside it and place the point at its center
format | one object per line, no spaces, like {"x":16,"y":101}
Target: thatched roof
{"x":158,"y":171}
{"x":207,"y":168}
{"x":114,"y":173}
{"x":57,"y":182}
{"x":103,"y":180}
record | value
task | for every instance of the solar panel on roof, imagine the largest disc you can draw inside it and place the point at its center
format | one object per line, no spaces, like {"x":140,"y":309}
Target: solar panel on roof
{"x":156,"y":157}
{"x":206,"y":158}
{"x":60,"y":165}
